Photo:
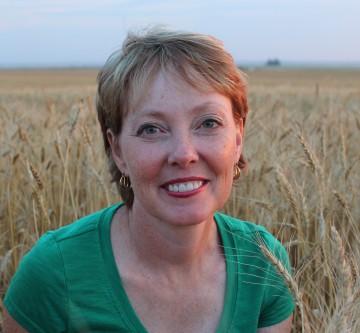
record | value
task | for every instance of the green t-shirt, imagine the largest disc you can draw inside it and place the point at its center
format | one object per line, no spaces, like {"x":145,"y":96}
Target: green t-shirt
{"x":69,"y":281}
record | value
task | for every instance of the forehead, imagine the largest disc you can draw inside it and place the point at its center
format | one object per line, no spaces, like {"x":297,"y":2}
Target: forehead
{"x":165,"y":81}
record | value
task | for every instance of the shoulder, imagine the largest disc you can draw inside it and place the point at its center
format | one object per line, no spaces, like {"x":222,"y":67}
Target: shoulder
{"x":42,"y":279}
{"x":244,"y":233}
{"x":38,"y":283}
{"x":60,"y":251}
{"x":48,"y":246}
{"x":258,"y":277}
{"x":243,"y":228}
{"x":84,"y":225}
{"x":47,"y":252}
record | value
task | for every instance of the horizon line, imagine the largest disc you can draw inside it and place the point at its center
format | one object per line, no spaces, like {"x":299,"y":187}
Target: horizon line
{"x":246,"y":64}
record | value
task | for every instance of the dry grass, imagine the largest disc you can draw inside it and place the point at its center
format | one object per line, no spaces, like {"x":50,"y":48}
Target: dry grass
{"x":303,"y":181}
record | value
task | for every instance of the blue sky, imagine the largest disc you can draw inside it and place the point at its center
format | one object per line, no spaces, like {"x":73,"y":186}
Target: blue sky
{"x":85,"y":32}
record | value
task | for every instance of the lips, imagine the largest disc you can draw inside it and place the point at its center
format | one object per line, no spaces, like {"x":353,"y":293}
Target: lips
{"x":184,"y":186}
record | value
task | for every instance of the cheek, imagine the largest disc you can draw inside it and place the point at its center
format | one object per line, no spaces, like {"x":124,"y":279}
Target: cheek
{"x":226,"y":155}
{"x":222,"y":166}
{"x":143,"y":167}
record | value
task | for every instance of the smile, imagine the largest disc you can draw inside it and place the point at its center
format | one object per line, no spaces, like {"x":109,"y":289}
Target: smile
{"x":184,"y":187}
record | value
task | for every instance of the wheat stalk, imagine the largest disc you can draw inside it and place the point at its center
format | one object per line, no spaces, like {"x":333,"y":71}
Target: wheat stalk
{"x":305,"y":214}
{"x":85,"y":132}
{"x":36,"y":176}
{"x":264,"y":204}
{"x":341,"y":200}
{"x":290,"y":194}
{"x":288,"y":280}
{"x":42,"y":210}
{"x":310,"y":156}
{"x":74,"y":119}
{"x":341,"y":265}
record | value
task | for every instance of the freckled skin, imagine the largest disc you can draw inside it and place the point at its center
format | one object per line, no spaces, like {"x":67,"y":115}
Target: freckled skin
{"x":182,"y":147}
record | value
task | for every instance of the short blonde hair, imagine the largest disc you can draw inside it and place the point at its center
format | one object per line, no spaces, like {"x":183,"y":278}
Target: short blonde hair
{"x":201,"y":60}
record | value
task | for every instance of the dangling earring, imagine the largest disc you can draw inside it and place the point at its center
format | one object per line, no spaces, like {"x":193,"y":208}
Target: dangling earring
{"x":237,"y":172}
{"x":125,"y":182}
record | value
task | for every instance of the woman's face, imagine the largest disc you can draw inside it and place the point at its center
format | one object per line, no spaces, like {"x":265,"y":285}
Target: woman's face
{"x":179,"y":148}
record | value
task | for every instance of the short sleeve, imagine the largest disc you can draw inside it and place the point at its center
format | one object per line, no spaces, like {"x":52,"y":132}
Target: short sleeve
{"x":278,"y":301}
{"x":36,"y":297}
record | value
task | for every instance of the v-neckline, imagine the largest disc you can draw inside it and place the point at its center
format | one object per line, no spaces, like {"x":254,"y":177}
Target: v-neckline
{"x":121,"y":298}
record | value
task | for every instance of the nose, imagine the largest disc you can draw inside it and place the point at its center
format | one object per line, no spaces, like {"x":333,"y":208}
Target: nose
{"x":183,"y":151}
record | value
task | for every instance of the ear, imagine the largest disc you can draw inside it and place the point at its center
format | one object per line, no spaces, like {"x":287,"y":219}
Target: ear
{"x":116,"y":151}
{"x":239,"y":128}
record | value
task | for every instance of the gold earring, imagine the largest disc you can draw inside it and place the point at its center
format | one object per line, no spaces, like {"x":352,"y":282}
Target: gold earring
{"x":237,"y":172}
{"x":125,"y":182}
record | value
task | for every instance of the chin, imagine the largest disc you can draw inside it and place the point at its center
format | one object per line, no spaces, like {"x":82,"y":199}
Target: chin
{"x":190,"y":217}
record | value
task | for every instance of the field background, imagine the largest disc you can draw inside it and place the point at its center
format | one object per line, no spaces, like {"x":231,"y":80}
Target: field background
{"x":302,"y":147}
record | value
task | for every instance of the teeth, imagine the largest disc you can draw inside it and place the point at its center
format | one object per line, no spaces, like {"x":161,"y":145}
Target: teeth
{"x":184,"y":187}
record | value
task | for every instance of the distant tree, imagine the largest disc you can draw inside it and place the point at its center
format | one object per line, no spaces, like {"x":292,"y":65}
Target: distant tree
{"x":273,"y":62}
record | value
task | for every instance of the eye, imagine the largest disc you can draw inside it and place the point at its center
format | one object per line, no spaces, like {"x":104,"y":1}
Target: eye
{"x":210,"y":123}
{"x":147,"y":129}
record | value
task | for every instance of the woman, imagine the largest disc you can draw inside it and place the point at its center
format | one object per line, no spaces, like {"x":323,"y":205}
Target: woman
{"x":171,"y":106}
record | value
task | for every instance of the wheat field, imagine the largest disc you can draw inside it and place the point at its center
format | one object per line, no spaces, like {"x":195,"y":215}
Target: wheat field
{"x":302,"y":147}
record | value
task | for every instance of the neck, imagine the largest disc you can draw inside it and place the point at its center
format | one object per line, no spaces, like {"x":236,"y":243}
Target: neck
{"x":159,"y":244}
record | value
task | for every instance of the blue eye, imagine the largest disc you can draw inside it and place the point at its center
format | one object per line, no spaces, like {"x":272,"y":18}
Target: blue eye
{"x":147,"y":129}
{"x":150,"y":130}
{"x":210,"y":123}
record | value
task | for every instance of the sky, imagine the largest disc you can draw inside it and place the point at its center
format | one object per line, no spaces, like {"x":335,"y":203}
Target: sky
{"x":85,"y":32}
